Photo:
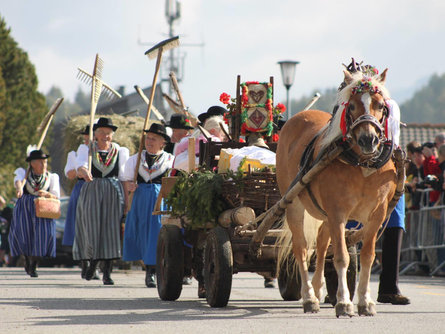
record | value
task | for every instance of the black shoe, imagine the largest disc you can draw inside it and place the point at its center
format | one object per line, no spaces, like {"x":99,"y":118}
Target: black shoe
{"x":269,"y":283}
{"x":32,"y":269}
{"x":83,"y":272}
{"x":202,"y":293}
{"x":91,"y":270}
{"x":106,"y":278}
{"x":395,"y":299}
{"x":27,"y":264}
{"x":150,"y":279}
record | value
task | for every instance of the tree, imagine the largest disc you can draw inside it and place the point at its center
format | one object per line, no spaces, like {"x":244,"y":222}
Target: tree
{"x":326,"y":102}
{"x":22,"y":107}
{"x":427,"y":104}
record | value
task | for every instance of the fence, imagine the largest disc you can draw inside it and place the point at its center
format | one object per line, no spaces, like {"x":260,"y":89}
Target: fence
{"x":424,"y":241}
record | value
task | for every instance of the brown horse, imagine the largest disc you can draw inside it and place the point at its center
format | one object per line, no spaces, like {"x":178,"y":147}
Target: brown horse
{"x":342,"y":191}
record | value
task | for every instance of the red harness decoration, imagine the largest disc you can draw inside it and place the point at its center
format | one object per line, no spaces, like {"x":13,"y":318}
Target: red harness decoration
{"x":343,"y":124}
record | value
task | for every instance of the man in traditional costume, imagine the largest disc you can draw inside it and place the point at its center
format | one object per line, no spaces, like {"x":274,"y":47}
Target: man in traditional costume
{"x":141,"y":227}
{"x":29,"y":235}
{"x":100,"y":206}
{"x":181,"y":127}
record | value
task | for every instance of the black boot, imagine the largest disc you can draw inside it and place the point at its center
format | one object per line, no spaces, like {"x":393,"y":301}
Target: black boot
{"x":150,"y":272}
{"x":107,"y":265}
{"x":33,"y":267}
{"x":389,"y":278}
{"x":27,"y":264}
{"x":91,"y":270}
{"x":84,"y":265}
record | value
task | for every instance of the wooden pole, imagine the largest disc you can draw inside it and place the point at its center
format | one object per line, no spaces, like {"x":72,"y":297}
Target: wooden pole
{"x":147,"y":118}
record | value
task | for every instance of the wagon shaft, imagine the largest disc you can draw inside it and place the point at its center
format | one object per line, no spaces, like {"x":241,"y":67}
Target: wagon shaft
{"x":277,"y":211}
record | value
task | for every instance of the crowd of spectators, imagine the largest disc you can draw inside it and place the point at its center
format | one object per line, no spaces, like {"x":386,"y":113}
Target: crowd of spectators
{"x":425,"y":189}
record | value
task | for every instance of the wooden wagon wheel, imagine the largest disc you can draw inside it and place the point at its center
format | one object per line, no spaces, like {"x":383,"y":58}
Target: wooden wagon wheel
{"x":331,"y":277}
{"x":289,"y":281}
{"x":170,"y":262}
{"x":218,"y":267}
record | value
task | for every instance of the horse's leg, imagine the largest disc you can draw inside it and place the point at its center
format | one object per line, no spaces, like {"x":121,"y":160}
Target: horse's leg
{"x":295,"y":220}
{"x":365,"y":305}
{"x":323,"y":239}
{"x":344,"y":305}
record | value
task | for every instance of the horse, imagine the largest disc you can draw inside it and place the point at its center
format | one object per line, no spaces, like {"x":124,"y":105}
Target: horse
{"x":358,"y":188}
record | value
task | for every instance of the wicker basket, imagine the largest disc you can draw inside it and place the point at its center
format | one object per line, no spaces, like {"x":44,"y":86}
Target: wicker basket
{"x":47,"y":207}
{"x":258,"y":191}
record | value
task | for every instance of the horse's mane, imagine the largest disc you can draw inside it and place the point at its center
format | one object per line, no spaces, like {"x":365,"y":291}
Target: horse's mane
{"x":333,"y":130}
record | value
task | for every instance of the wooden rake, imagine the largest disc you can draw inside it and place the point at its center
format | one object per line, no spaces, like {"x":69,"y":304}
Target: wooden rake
{"x":97,"y":88}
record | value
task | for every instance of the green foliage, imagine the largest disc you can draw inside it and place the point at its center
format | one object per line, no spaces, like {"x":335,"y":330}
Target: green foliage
{"x":22,"y":107}
{"x":197,"y":196}
{"x":427,"y":104}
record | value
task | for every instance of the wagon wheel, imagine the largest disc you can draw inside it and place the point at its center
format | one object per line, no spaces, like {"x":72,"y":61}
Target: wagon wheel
{"x":169,"y":262}
{"x":218,"y":267}
{"x":289,"y":281}
{"x":332,"y":279}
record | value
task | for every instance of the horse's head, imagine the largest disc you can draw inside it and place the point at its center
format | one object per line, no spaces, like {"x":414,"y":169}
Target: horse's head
{"x":365,"y":111}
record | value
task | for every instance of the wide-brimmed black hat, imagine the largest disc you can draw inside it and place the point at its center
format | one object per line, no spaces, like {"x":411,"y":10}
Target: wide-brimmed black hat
{"x":159,"y":129}
{"x":104,"y":122}
{"x":36,"y":154}
{"x":179,"y":121}
{"x":85,"y":131}
{"x":212,"y":111}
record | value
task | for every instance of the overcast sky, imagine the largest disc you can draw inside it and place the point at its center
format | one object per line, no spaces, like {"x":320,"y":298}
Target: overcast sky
{"x":245,"y":37}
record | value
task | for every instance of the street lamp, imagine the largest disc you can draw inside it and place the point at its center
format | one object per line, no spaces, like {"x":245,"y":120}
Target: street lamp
{"x":288,"y":74}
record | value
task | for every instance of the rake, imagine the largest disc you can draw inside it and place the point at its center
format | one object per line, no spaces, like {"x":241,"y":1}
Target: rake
{"x":97,"y":88}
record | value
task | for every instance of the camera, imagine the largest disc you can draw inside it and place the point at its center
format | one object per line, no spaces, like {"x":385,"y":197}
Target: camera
{"x":431,"y":180}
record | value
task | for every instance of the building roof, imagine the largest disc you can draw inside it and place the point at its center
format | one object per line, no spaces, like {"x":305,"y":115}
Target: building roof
{"x":419,"y":132}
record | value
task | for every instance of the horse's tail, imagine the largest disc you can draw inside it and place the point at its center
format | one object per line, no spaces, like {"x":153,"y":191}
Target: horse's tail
{"x":284,"y":242}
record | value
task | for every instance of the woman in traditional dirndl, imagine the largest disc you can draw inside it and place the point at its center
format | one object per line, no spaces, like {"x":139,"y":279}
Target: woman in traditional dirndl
{"x":141,"y":227}
{"x":30,"y":235}
{"x":71,"y":173}
{"x":100,"y":207}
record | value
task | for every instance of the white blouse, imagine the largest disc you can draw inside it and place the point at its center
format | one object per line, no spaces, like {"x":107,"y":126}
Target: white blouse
{"x":54,"y":185}
{"x":82,"y":159}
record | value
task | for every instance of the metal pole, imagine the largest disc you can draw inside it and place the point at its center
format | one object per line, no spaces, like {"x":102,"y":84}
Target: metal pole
{"x":287,"y":103}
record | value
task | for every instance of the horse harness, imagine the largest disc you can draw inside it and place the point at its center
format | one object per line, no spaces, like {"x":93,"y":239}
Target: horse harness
{"x":348,"y":156}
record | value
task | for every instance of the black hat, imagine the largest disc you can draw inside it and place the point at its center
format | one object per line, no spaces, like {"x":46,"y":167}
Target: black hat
{"x":212,"y":111}
{"x":36,"y":154}
{"x":159,"y":129}
{"x":104,"y":122}
{"x":85,"y":131}
{"x":179,"y":121}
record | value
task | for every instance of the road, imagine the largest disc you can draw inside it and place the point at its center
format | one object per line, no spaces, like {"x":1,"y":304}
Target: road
{"x":60,"y":302}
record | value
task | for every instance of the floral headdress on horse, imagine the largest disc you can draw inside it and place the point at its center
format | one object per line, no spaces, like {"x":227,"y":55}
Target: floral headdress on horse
{"x":363,"y":78}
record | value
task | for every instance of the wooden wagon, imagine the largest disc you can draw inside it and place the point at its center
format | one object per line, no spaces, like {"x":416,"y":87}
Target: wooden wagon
{"x":216,"y":251}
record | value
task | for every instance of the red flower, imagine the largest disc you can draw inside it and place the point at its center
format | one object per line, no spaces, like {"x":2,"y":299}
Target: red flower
{"x":275,"y":137}
{"x":281,"y":107}
{"x":187,"y":120}
{"x":224,"y":98}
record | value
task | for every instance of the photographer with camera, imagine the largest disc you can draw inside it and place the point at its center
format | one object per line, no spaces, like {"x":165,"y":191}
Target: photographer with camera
{"x":431,"y":170}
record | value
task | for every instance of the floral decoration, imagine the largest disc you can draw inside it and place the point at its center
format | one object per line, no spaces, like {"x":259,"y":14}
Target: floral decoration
{"x":273,"y":112}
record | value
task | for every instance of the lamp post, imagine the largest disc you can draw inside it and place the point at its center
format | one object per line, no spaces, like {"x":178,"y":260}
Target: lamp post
{"x":288,"y":73}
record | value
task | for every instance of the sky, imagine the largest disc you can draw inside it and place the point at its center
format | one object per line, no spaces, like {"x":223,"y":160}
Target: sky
{"x":245,"y":37}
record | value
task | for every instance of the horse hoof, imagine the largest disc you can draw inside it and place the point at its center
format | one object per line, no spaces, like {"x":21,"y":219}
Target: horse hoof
{"x":344,"y":309}
{"x":367,"y":310}
{"x":311,"y":306}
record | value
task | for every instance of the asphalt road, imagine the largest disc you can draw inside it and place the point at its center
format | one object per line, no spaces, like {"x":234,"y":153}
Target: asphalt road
{"x":60,"y":302}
